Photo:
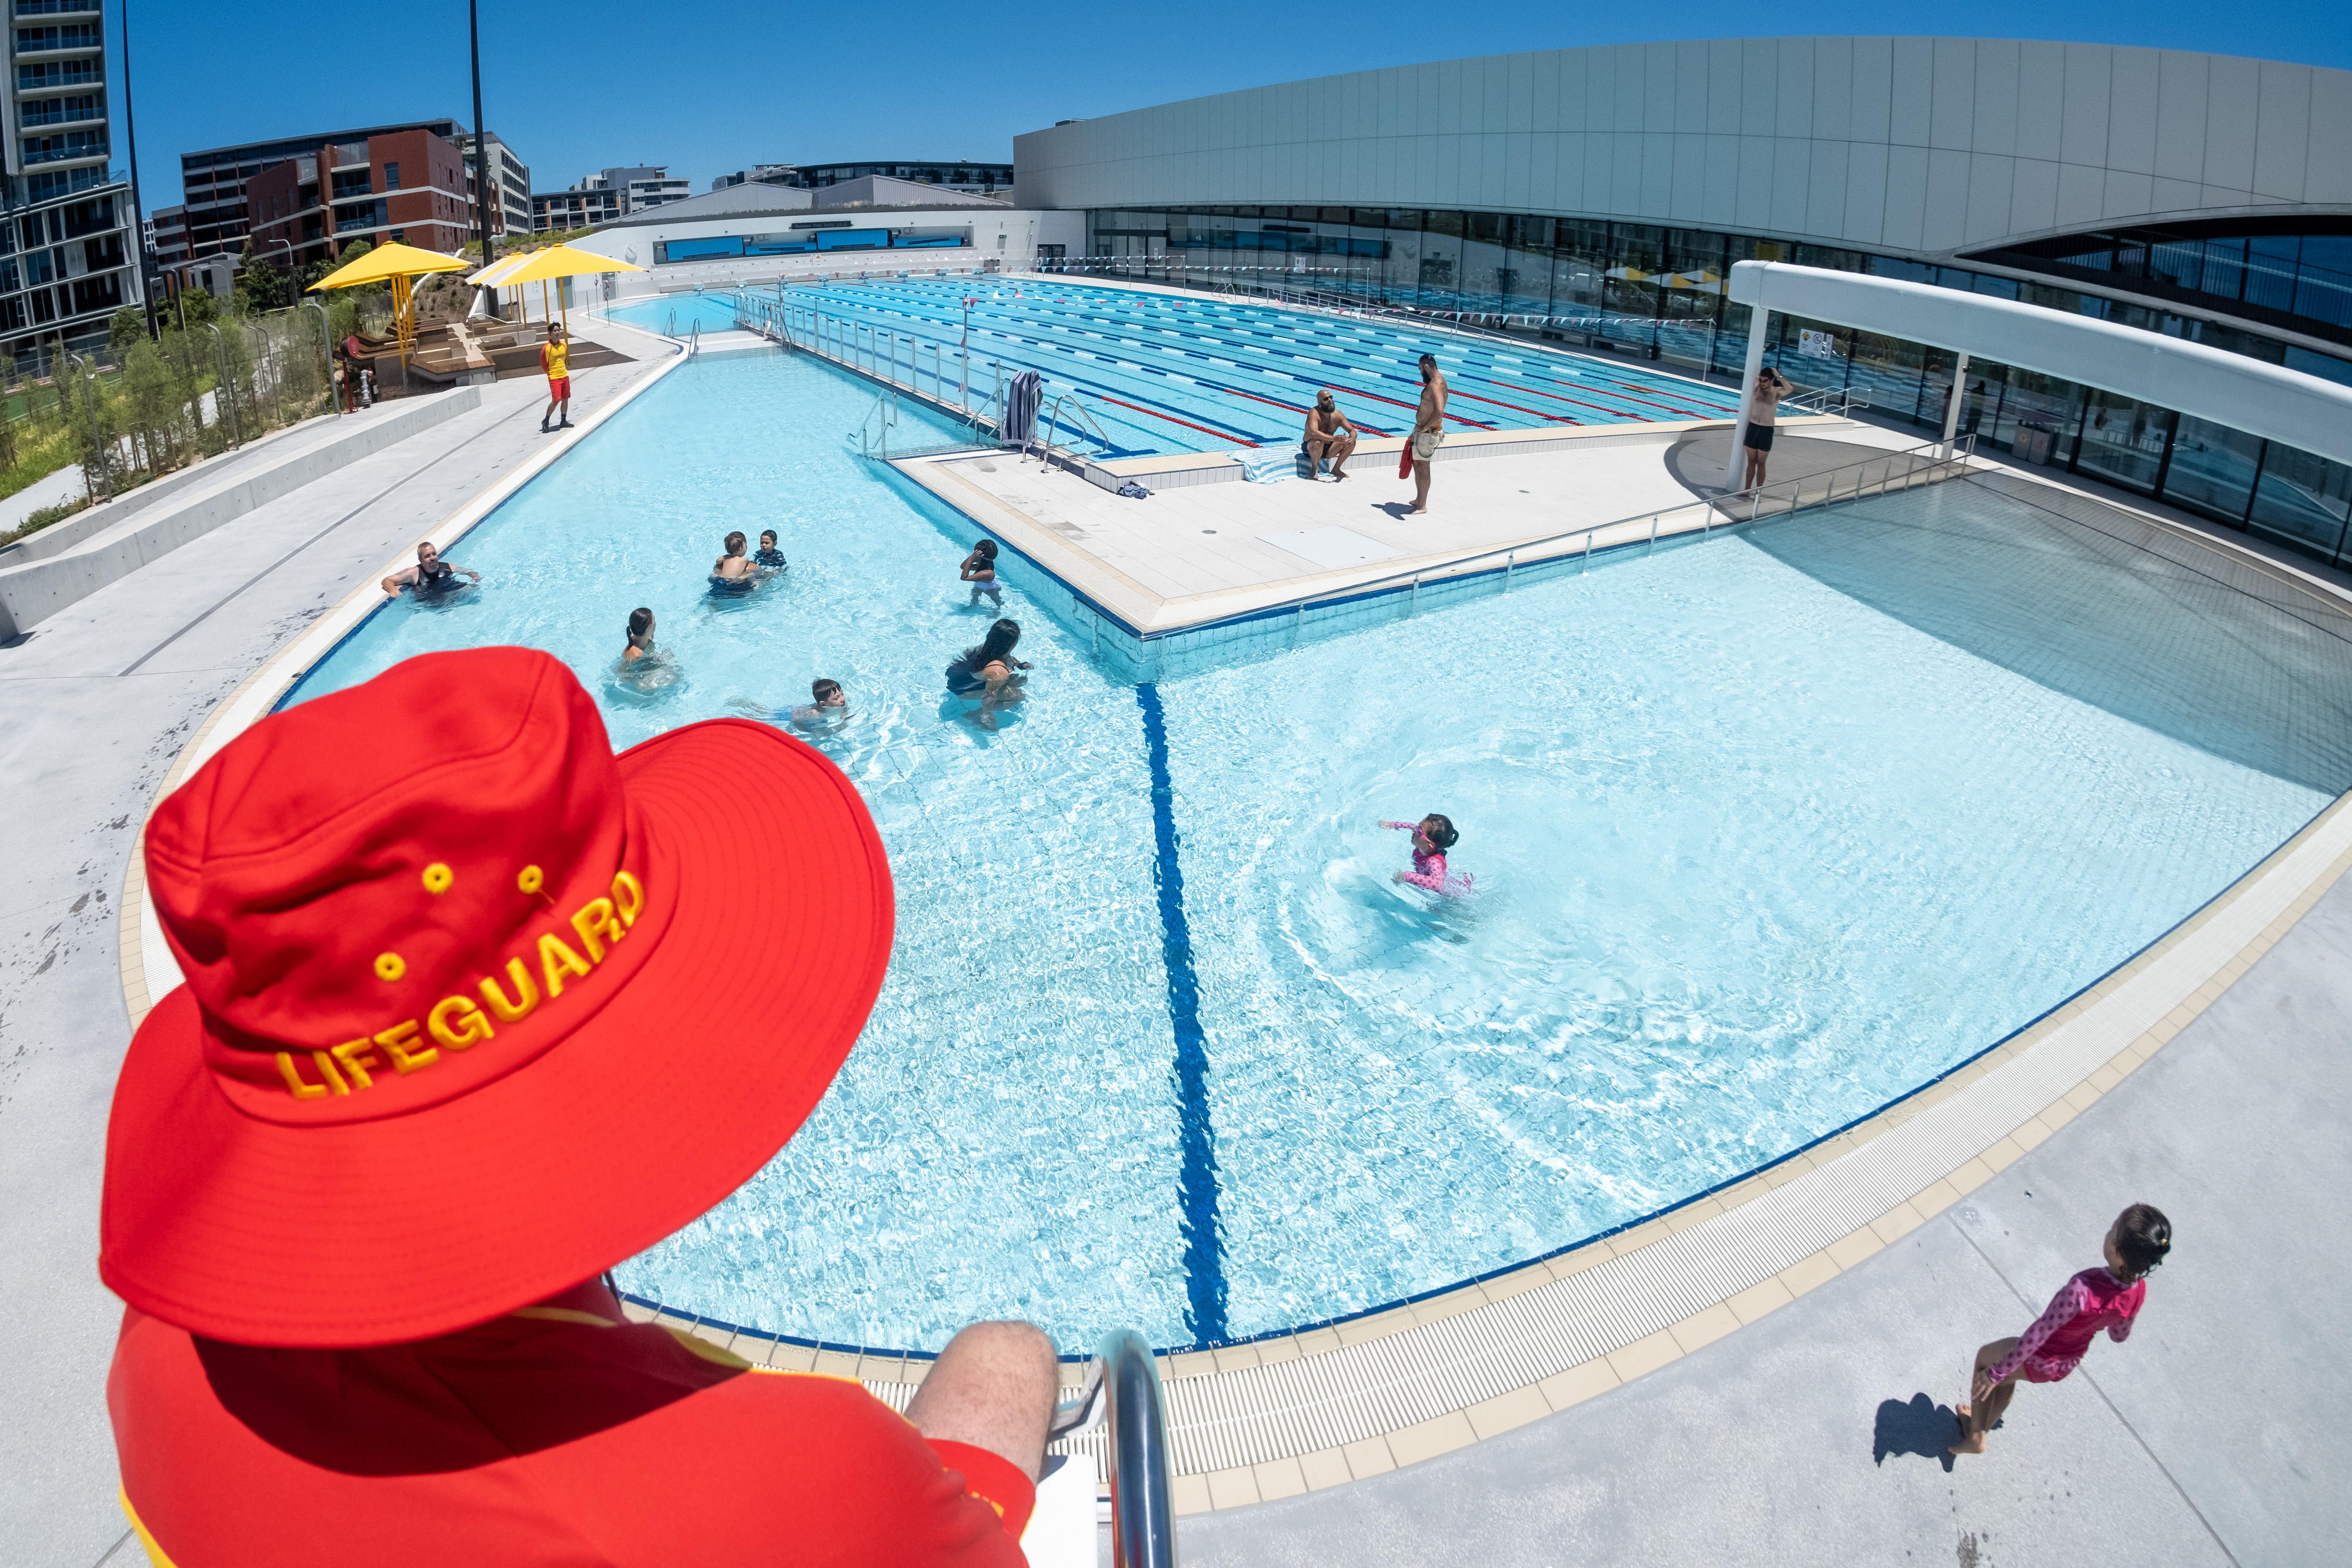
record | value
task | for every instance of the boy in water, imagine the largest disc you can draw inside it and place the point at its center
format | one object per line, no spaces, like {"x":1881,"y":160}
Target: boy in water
{"x":767,"y":555}
{"x":829,"y":704}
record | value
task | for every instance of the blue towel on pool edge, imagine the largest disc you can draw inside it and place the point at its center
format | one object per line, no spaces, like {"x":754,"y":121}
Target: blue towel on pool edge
{"x":1262,"y":465}
{"x":1134,"y":492}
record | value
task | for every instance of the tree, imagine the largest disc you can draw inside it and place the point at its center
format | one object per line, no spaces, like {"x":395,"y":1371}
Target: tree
{"x":126,"y":327}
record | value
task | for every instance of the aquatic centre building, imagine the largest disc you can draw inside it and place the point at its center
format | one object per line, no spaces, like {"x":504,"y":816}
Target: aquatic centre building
{"x":1600,"y":196}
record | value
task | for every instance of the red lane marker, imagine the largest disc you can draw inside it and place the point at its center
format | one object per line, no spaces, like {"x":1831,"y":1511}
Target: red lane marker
{"x":1563,"y":397}
{"x":1295,"y":408}
{"x":1220,"y":434}
{"x":1498,"y":402}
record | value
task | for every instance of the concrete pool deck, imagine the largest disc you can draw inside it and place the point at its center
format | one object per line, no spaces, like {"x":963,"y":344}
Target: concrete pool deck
{"x":2235,"y":1126}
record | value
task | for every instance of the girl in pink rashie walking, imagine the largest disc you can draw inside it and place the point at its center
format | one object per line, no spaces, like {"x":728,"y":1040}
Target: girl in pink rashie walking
{"x":1431,"y":837}
{"x":2096,"y":1298}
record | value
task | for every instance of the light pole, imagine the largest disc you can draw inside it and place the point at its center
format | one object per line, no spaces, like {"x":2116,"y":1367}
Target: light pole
{"x":138,"y":222}
{"x":295,"y":292}
{"x":482,"y":299}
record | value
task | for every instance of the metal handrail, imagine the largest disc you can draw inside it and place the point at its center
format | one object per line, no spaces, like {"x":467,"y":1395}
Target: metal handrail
{"x":1847,"y":399}
{"x":1960,"y":452}
{"x":1142,"y":1511}
{"x":694,"y":343}
{"x":872,"y":439}
{"x":1053,"y":425}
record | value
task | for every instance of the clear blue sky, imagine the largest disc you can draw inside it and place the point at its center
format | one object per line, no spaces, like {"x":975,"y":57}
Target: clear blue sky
{"x":713,"y":86}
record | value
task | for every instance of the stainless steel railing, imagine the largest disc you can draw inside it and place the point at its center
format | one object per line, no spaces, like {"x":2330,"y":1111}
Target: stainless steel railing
{"x":1142,"y":1512}
{"x":1899,"y":470}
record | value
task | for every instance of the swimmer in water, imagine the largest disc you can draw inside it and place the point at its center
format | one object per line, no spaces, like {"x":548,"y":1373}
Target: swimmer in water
{"x":641,"y":637}
{"x":990,"y":672}
{"x":767,"y":555}
{"x":429,"y":576}
{"x":827,"y":706}
{"x":980,"y":570}
{"x":735,"y":572}
{"x":1431,"y":837}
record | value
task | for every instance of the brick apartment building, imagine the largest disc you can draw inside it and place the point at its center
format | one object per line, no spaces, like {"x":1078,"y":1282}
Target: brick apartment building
{"x":411,"y":186}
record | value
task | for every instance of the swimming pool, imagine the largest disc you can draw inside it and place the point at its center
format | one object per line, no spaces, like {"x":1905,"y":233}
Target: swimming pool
{"x":1765,"y":831}
{"x":1168,"y":373}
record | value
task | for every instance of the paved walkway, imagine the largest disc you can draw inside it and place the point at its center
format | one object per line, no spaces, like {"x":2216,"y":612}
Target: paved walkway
{"x":93,"y":706}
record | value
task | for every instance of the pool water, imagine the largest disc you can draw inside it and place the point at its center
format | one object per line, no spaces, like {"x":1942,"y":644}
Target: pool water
{"x":1765,"y":833}
{"x":1167,"y":373}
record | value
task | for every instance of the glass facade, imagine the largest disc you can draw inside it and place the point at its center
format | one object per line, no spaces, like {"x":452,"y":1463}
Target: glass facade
{"x":1658,"y":293}
{"x":2288,"y":278}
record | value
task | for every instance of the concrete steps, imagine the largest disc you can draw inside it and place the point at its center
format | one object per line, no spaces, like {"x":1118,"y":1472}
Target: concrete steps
{"x":70,"y":561}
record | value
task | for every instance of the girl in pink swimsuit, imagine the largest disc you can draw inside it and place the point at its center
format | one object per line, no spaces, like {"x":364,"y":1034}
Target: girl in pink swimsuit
{"x":1431,"y":837}
{"x":2054,"y":1345}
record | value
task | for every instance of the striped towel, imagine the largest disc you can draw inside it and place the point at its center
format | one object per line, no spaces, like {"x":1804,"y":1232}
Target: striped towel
{"x":1268,"y":465}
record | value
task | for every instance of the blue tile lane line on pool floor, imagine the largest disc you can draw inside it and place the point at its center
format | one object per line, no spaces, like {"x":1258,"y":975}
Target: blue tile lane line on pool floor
{"x":1196,"y":1179}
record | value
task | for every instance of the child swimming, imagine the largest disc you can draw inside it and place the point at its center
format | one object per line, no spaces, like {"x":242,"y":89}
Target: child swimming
{"x":980,"y":570}
{"x":641,"y":636}
{"x":827,"y":708}
{"x":767,"y":555}
{"x":735,"y":573}
{"x":1431,"y":837}
{"x":2107,"y":1298}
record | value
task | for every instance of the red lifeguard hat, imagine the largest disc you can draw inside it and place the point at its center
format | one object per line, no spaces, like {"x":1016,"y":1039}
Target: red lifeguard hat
{"x":475,"y":1008}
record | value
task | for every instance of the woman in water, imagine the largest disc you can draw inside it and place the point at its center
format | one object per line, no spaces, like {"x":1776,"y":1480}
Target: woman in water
{"x":643,"y":667}
{"x":2107,"y":1298}
{"x":1431,"y":837}
{"x":980,"y":570}
{"x":990,"y":672}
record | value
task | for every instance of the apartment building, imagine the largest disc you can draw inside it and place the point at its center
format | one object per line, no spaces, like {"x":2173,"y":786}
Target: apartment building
{"x":411,"y":187}
{"x":607,"y":196}
{"x":510,"y":212}
{"x":965,"y":176}
{"x":213,"y":181}
{"x":68,"y":235}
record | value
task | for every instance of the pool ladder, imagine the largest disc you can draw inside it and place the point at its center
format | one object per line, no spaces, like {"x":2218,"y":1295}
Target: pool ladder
{"x":1054,"y":424}
{"x":1122,"y":1394}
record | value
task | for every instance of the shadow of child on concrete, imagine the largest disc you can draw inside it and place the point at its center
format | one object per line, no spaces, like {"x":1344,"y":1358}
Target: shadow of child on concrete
{"x":1921,"y":1426}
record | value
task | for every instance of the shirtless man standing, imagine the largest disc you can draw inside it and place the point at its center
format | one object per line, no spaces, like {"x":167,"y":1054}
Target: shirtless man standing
{"x":1328,"y":434}
{"x":1428,"y":431}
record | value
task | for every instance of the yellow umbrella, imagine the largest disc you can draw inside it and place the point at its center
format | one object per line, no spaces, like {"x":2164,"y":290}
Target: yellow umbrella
{"x":562,"y":261}
{"x":399,"y":263}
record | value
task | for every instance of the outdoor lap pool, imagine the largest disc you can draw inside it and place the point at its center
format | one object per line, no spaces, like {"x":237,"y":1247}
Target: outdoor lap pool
{"x":1165,"y":372}
{"x":1765,"y":831}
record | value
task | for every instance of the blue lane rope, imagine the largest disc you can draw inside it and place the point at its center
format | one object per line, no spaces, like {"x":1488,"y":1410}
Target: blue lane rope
{"x":1196,"y":1179}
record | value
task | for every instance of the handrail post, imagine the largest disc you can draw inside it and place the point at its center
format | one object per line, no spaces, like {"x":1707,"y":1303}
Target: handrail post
{"x":1142,"y":1501}
{"x":1654,"y":534}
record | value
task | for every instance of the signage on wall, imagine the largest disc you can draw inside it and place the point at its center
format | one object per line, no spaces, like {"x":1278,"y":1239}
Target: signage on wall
{"x":1818,"y":345}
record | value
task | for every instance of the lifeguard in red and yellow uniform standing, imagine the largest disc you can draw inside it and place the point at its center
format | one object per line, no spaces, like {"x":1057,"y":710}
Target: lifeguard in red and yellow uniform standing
{"x":468,"y":1020}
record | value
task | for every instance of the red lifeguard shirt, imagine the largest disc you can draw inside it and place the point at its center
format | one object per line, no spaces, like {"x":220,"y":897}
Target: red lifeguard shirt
{"x":561,"y":1435}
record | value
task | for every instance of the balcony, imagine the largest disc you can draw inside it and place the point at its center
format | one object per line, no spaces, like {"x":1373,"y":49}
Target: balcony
{"x":72,"y":114}
{"x":78,"y":35}
{"x":58,"y":75}
{"x":66,"y":149}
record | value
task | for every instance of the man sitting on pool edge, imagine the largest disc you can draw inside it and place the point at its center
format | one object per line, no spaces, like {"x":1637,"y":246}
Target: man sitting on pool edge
{"x":459,"y":1033}
{"x":429,"y":576}
{"x":1330,"y":435}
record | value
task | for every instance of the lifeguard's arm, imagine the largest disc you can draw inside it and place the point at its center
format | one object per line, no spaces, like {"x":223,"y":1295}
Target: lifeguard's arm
{"x":2064,"y":1307}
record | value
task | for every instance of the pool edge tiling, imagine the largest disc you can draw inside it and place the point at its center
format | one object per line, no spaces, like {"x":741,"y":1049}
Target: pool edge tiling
{"x":1412,"y":1380}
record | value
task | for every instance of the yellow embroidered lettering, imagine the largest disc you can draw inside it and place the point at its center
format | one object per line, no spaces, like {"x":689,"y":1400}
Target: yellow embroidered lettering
{"x":555,"y":960}
{"x":357,"y":1056}
{"x":327,"y":1070}
{"x":526,"y":993}
{"x":457,"y":1023}
{"x":397,"y":1040}
{"x":629,"y":895}
{"x":597,"y":927}
{"x":301,"y":1091}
